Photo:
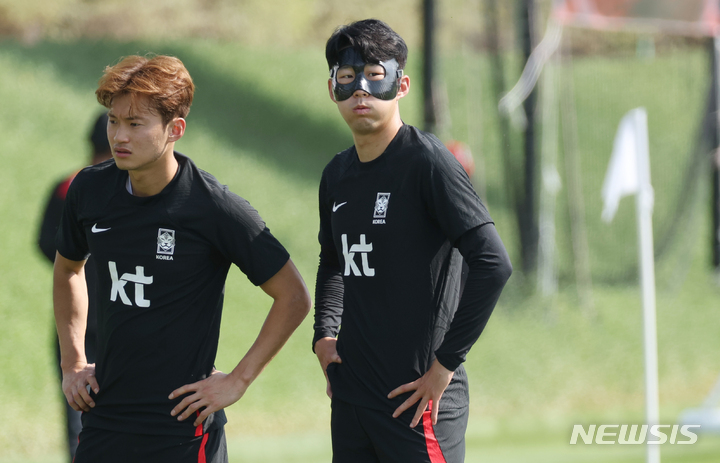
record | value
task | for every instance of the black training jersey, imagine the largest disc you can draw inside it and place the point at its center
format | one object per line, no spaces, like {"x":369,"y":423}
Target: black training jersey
{"x":161,"y":263}
{"x":387,"y":229}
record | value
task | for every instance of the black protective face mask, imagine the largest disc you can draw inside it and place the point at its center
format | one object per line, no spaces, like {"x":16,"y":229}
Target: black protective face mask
{"x":385,"y":89}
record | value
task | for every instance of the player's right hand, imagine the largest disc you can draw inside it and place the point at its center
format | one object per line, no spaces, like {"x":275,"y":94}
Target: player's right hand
{"x":75,"y":382}
{"x":326,"y":351}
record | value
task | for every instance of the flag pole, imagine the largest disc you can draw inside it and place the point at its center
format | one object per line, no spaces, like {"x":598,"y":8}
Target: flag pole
{"x":644,"y":204}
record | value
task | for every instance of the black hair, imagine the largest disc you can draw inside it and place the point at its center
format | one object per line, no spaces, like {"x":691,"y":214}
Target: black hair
{"x":98,"y":135}
{"x":372,"y":38}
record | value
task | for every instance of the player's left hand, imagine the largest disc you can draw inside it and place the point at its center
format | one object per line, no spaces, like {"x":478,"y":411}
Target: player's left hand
{"x":213,"y":393}
{"x":430,"y":387}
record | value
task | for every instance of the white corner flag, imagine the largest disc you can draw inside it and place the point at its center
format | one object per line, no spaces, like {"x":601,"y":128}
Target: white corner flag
{"x":629,"y":167}
{"x":629,"y":173}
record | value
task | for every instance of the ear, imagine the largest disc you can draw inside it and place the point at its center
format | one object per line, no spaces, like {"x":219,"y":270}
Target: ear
{"x":404,"y":86}
{"x":177,"y":129}
{"x":330,"y":90}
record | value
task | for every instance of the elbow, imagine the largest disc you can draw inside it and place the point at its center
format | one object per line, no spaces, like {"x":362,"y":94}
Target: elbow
{"x":302,"y":302}
{"x":503,"y":270}
{"x":292,"y":307}
{"x":306,"y":303}
{"x":506,"y":268}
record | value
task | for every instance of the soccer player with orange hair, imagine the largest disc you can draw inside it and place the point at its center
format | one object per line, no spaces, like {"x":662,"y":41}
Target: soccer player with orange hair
{"x":163,"y":234}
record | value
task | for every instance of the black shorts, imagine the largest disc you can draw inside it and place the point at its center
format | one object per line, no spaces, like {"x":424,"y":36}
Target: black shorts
{"x":99,"y":445}
{"x":364,"y":435}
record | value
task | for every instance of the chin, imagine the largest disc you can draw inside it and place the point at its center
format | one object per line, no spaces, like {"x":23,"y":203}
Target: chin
{"x":121,"y":164}
{"x":365,"y":128}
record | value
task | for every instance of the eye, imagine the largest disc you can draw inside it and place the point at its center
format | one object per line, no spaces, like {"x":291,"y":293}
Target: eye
{"x":345,"y":75}
{"x":375,"y":72}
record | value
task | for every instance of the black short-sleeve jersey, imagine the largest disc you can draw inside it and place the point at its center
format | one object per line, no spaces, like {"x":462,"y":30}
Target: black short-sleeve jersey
{"x":388,"y":226}
{"x":161,"y":263}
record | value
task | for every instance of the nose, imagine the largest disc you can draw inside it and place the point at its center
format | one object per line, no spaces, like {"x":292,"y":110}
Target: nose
{"x":362,"y":86}
{"x":117,"y":133}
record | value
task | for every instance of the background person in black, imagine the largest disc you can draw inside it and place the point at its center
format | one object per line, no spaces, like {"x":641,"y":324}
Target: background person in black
{"x":163,"y":234}
{"x":391,"y":330}
{"x":46,"y":243}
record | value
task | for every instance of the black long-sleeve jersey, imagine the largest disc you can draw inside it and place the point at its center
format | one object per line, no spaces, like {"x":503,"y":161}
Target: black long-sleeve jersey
{"x":161,"y":265}
{"x":389,"y":275}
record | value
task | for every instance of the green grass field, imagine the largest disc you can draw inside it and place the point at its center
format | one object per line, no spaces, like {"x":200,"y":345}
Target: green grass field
{"x":263,"y":123}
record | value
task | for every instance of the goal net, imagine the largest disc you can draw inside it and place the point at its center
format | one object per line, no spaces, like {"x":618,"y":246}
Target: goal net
{"x":613,"y":56}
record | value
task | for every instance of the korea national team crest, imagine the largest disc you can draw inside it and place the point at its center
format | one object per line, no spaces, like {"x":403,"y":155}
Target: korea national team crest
{"x":381,"y":206}
{"x":165,"y":243}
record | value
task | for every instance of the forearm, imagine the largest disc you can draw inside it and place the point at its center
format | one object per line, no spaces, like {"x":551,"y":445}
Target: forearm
{"x":490,"y":269}
{"x":328,"y":305}
{"x":329,"y":293}
{"x":70,"y":301}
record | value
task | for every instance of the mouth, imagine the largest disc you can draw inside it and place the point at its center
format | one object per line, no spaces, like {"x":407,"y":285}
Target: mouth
{"x":121,"y":152}
{"x":361,"y":109}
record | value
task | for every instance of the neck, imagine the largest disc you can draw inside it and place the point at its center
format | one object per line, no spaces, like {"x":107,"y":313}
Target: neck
{"x":152,"y":180}
{"x":370,"y":146}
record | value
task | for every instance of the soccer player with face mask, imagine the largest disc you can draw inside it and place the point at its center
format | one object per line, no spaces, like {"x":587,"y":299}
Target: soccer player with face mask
{"x":163,"y":234}
{"x":397,"y":215}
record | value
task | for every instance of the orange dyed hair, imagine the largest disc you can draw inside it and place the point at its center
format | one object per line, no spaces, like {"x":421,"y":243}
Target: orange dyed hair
{"x":163,"y":79}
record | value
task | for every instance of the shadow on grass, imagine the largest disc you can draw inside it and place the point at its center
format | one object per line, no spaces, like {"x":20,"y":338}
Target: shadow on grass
{"x":228,"y":105}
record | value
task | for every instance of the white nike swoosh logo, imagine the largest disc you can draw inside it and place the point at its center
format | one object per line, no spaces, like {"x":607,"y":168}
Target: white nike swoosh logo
{"x":95,"y":229}
{"x":338,"y":206}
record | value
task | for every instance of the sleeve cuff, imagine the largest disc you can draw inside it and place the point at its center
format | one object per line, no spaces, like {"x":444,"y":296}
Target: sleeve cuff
{"x":323,"y":333}
{"x":450,"y":361}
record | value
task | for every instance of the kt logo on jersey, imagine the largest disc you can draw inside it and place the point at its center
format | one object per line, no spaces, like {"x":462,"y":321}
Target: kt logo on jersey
{"x":119,"y":282}
{"x":364,"y":249}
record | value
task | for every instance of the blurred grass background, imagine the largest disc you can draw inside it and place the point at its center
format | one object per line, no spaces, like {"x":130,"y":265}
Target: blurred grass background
{"x":262,"y":122}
